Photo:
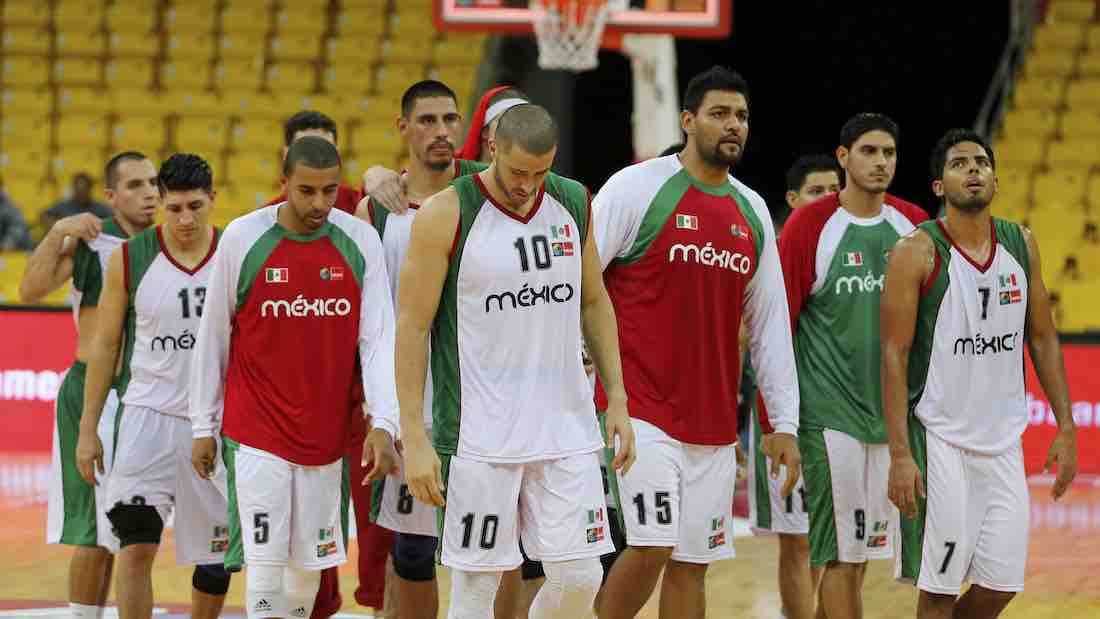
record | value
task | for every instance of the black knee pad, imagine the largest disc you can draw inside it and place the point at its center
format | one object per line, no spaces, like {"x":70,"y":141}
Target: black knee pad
{"x":531,"y":570}
{"x":414,"y":557}
{"x":136,"y":524}
{"x":211,"y":579}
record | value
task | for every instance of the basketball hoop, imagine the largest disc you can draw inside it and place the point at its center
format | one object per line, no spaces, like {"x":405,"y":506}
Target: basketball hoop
{"x":569,"y":32}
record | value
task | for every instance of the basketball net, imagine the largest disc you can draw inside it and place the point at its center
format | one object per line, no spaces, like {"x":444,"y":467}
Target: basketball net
{"x":568,"y":32}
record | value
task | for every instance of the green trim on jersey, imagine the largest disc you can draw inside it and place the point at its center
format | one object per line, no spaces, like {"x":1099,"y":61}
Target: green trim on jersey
{"x":379,"y":214}
{"x":378,"y":217}
{"x":664,"y":204}
{"x":928,"y":310}
{"x":141,"y":251}
{"x":446,"y":377}
{"x":234,"y":554}
{"x":574,"y":197}
{"x":87,"y":268}
{"x":1011,"y":235}
{"x":254,"y":261}
{"x":349,"y":249}
{"x":467,"y":167}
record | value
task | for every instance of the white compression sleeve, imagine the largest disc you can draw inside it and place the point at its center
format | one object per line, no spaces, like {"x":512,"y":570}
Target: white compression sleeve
{"x":301,"y":591}
{"x":569,"y":590}
{"x":472,"y":594}
{"x":264,"y":596}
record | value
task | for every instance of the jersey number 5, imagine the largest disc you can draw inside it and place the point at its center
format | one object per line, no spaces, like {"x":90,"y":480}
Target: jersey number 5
{"x":185,"y":296}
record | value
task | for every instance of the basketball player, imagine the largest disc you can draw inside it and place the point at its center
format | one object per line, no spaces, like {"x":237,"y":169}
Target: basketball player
{"x":154,"y":291}
{"x":502,"y":271}
{"x":78,"y":247}
{"x":688,"y":252}
{"x":430,"y":124}
{"x":309,"y":122}
{"x":963,"y":295}
{"x":809,"y":178}
{"x":292,"y":284}
{"x":834,"y":261}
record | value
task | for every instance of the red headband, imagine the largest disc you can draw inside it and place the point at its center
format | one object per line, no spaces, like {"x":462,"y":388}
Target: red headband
{"x":471,"y":148}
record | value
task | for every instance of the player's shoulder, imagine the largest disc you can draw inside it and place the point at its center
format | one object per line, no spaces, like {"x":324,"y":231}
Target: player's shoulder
{"x":811,"y":218}
{"x":352,"y":226}
{"x":563,"y":187}
{"x":915,"y":214}
{"x":750,"y":194}
{"x":643,"y":177}
{"x":247,"y":228}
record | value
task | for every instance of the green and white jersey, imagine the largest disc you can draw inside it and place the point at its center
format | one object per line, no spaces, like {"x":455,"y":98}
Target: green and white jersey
{"x":506,"y":360}
{"x":162,"y":322}
{"x":966,"y":365}
{"x":90,"y":264}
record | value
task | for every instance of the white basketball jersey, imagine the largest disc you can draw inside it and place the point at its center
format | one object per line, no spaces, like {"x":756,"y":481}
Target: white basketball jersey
{"x":166,"y":302}
{"x":973,"y":396}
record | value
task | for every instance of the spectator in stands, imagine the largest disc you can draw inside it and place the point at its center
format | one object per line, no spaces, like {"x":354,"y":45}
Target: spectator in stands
{"x":15,"y":235}
{"x":1071,"y":271}
{"x":80,"y":202}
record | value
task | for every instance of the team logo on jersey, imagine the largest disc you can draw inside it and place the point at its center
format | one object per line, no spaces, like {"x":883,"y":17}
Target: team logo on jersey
{"x":326,"y":533}
{"x":595,"y":515}
{"x":739,"y":231}
{"x":853,"y":259}
{"x":1008,"y":280}
{"x":277,"y":275}
{"x":595,"y":534}
{"x":979,"y":346}
{"x":560,"y":232}
{"x":717,"y":524}
{"x":687,"y":222}
{"x":219,"y":542}
{"x":860,"y":283}
{"x":302,"y":307}
{"x":717,"y":540}
{"x":711,"y":257}
{"x":562,"y":249}
{"x":183,"y":341}
{"x":1013,"y":293}
{"x":529,"y":297}
{"x":332,"y":273}
{"x":326,"y":549}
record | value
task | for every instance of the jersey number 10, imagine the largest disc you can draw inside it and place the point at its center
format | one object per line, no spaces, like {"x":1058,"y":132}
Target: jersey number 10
{"x":540,"y":249}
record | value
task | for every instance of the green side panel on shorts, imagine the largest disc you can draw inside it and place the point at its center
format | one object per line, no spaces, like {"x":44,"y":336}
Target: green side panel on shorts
{"x":254,"y":260}
{"x":234,"y":555}
{"x":610,"y":479}
{"x":760,"y":485}
{"x":345,"y":499}
{"x":377,"y":488}
{"x":912,"y":529}
{"x":446,"y":381}
{"x":115,"y":431}
{"x":78,"y":496}
{"x":441,"y":512}
{"x":819,"y":496}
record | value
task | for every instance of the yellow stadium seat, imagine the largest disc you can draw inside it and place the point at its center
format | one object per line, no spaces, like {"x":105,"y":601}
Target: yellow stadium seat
{"x":301,"y":21}
{"x":145,"y":134}
{"x":29,"y":71}
{"x":291,"y":77}
{"x":1072,"y":10}
{"x":1075,"y":154}
{"x":138,"y":103}
{"x":129,"y":73}
{"x":412,"y":25}
{"x":1057,"y":63}
{"x":80,"y":43}
{"x":189,"y":17}
{"x":1088,"y":65}
{"x":458,"y":50}
{"x":407,"y":50}
{"x":1081,"y":123}
{"x":1059,"y":36}
{"x":375,"y":110}
{"x":250,"y":104}
{"x":69,"y":161}
{"x":363,"y":23}
{"x":290,"y":103}
{"x":198,"y":104}
{"x":240,"y":19}
{"x":34,"y":14}
{"x":1044,"y":92}
{"x":82,"y":100}
{"x":253,"y":168}
{"x":255,"y":5}
{"x":29,"y":41}
{"x":184,"y":76}
{"x":257,"y":136}
{"x":17,"y":101}
{"x":391,"y":80}
{"x":26,"y":164}
{"x":188,"y":48}
{"x":74,"y":14}
{"x":340,"y":78}
{"x":1083,"y":93}
{"x":1013,"y":189}
{"x":241,"y":46}
{"x":459,"y":77}
{"x":1031,"y":122}
{"x":1020,"y":151}
{"x":420,"y":9}
{"x":1092,"y":37}
{"x":372,"y":5}
{"x":80,"y":131}
{"x":77,"y":71}
{"x":238,"y":75}
{"x":1063,"y":190}
{"x":294,"y":46}
{"x":130,"y":18}
{"x":202,"y":134}
{"x":1092,"y":195}
{"x":27,"y":130}
{"x":133,"y":44}
{"x":369,"y":138}
{"x":351,"y":51}
{"x":1079,"y":303}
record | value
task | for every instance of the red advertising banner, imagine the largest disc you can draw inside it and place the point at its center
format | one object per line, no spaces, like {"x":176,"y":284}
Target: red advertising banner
{"x":36,"y":347}
{"x":1084,"y":394}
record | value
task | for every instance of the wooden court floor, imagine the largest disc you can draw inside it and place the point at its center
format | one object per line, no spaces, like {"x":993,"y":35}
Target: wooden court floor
{"x":1063,"y":579}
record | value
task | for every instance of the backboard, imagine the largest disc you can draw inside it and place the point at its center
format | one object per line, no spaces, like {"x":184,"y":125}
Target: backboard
{"x":708,"y":19}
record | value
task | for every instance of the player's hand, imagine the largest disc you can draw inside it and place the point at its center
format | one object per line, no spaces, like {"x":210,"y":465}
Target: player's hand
{"x":423,"y":471}
{"x":387,"y":188}
{"x":84,"y":226}
{"x":1064,"y":451}
{"x":203,"y":452}
{"x":89,"y":455}
{"x":379,"y":455}
{"x":742,"y":461}
{"x":617,"y":424}
{"x":782,"y":448}
{"x":906,"y":484}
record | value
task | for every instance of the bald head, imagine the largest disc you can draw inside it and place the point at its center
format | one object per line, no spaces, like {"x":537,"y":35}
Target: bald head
{"x":530,"y":126}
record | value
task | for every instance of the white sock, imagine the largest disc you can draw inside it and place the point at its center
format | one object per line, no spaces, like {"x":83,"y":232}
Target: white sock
{"x":85,"y":611}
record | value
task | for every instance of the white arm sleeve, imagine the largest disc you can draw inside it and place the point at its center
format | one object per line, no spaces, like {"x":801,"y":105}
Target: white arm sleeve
{"x":211,"y":355}
{"x":769,"y":327}
{"x":377,"y":333}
